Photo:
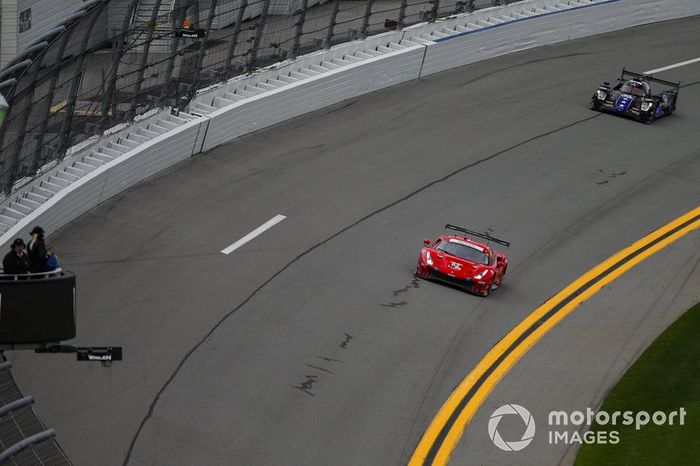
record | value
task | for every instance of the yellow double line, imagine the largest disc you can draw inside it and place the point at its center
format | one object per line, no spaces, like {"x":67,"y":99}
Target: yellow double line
{"x":444,"y":431}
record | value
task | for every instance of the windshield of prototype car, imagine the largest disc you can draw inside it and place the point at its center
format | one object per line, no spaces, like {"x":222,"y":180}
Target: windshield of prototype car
{"x":634,"y":88}
{"x":463,"y":251}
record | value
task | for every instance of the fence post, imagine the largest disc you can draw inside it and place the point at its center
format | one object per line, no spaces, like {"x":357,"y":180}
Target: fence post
{"x":31,"y":89}
{"x":365,"y":20}
{"x":118,"y":51}
{"x":299,"y":28}
{"x":331,"y":23}
{"x":234,"y":39}
{"x":202,"y":46}
{"x":434,"y":10}
{"x":75,"y":85}
{"x":195,"y":13}
{"x":402,"y":14}
{"x":6,"y":187}
{"x":178,"y":19}
{"x":252,"y":60}
{"x":49,"y":100}
{"x":144,"y":58}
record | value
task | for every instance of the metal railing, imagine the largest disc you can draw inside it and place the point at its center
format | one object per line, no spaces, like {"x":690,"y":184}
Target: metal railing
{"x":24,"y":439}
{"x":31,"y":276}
{"x":83,"y":78}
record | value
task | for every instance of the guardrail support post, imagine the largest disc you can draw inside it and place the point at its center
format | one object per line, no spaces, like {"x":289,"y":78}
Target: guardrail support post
{"x":49,"y":100}
{"x":234,"y":39}
{"x":144,"y":59}
{"x":299,"y":30}
{"x":203,"y":44}
{"x":118,"y":45}
{"x":402,"y":14}
{"x":434,"y":10}
{"x":64,"y":143}
{"x":29,"y":94}
{"x":365,"y":20}
{"x":258,"y":36}
{"x":178,"y":19}
{"x":331,"y":23}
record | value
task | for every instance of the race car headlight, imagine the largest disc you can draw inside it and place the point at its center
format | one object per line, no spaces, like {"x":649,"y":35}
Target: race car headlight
{"x":646,"y":106}
{"x":482,"y":274}
{"x":428,"y":259}
{"x":601,"y":94}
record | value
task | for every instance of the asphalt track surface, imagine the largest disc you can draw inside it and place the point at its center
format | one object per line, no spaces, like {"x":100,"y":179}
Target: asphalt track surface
{"x":313,"y":344}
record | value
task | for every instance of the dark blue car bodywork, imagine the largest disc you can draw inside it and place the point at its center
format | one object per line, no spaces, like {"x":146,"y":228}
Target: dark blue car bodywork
{"x":632,"y":97}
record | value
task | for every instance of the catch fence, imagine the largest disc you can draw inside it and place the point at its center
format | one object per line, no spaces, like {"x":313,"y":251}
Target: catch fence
{"x":116,"y":59}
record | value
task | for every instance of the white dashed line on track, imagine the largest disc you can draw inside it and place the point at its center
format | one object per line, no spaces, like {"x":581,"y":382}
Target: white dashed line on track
{"x":258,"y":231}
{"x":675,"y":65}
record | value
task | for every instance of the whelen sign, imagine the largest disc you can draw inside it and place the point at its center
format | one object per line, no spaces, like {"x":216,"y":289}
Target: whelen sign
{"x":191,"y":33}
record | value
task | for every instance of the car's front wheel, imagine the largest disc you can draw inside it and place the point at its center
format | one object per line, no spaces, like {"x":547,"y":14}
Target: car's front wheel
{"x":650,"y":116}
{"x":486,"y":290}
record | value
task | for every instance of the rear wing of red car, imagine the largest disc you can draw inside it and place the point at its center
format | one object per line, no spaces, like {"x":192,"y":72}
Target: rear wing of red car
{"x":485,"y":236}
{"x":626,"y":74}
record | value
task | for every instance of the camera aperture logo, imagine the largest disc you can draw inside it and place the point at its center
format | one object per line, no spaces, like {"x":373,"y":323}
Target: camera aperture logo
{"x":507,"y":410}
{"x":574,"y":427}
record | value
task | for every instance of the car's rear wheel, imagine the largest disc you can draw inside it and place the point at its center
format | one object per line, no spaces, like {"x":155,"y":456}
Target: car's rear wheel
{"x":672,"y":105}
{"x":498,"y":282}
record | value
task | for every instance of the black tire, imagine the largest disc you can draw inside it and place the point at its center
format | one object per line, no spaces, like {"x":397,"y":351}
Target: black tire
{"x":487,"y":291}
{"x":671,"y":107}
{"x":650,"y":117}
{"x":595,"y":105}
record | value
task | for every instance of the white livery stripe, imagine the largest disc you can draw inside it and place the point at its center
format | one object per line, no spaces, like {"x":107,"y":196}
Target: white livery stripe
{"x":675,"y":65}
{"x":258,"y":231}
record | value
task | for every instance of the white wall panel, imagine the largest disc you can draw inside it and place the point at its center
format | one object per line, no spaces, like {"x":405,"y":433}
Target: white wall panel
{"x":312,"y":94}
{"x":598,"y":18}
{"x":112,"y":178}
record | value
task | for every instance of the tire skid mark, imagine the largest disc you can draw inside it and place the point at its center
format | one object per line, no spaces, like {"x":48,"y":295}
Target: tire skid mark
{"x":318,"y":245}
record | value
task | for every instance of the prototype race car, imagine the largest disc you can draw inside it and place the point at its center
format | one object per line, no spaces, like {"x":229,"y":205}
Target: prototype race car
{"x":632,"y":97}
{"x":460,"y":261}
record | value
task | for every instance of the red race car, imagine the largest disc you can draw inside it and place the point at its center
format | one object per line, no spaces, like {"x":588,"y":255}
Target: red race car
{"x":460,"y":261}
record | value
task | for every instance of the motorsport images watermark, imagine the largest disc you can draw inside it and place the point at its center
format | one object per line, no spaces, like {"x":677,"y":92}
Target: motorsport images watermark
{"x":564,"y":426}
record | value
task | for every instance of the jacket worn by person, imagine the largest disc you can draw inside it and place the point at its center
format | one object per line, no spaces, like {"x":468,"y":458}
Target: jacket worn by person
{"x":14,"y":264}
{"x":37,"y":255}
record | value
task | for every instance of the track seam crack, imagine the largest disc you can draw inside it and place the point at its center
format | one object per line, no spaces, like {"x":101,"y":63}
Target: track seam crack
{"x":255,"y":292}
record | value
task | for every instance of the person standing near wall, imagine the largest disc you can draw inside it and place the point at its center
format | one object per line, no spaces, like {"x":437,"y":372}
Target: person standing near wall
{"x":37,"y":251}
{"x":16,"y":262}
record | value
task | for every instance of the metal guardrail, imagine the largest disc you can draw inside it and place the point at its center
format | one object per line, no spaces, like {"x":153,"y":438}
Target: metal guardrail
{"x":24,"y":440}
{"x":81,"y":79}
{"x":34,"y":275}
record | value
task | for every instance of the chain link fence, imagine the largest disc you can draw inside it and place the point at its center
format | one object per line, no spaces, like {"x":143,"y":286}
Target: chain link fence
{"x":116,"y":59}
